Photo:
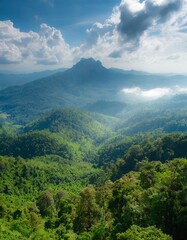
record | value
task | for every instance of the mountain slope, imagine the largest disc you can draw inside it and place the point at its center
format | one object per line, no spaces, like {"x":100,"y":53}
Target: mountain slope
{"x":84,"y":83}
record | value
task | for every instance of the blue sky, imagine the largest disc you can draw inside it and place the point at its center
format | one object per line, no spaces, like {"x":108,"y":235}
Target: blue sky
{"x":148,"y":35}
{"x":72,"y":17}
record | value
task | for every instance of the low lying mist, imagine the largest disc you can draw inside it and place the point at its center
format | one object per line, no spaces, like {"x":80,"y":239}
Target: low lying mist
{"x":136,"y":93}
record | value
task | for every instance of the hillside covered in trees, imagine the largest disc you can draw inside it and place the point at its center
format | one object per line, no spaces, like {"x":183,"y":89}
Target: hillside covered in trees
{"x":72,"y":174}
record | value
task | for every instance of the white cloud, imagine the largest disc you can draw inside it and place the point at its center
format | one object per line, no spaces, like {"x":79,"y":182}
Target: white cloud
{"x":148,"y":35}
{"x":156,"y":43}
{"x":136,"y":18}
{"x":133,"y":5}
{"x":135,"y":90}
{"x":44,"y":47}
{"x":154,"y":93}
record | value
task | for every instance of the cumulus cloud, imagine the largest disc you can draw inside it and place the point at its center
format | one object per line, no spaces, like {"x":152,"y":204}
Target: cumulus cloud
{"x":136,"y":17}
{"x":44,"y":47}
{"x":9,"y":53}
{"x":131,"y":19}
{"x":155,"y":93}
{"x":149,"y":35}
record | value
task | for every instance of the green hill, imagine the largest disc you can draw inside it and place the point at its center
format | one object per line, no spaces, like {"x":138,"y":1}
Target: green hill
{"x":74,"y":124}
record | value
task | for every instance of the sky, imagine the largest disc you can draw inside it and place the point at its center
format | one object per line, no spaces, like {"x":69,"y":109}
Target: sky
{"x":144,"y":35}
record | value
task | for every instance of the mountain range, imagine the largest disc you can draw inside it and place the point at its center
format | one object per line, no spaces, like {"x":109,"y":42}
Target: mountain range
{"x":13,"y":79}
{"x":83,"y":86}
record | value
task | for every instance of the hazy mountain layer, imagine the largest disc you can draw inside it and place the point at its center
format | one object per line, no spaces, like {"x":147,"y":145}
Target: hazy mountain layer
{"x":10,"y":79}
{"x":85,"y":83}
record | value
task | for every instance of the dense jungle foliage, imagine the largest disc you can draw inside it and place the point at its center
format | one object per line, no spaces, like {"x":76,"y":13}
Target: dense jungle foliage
{"x":72,"y":174}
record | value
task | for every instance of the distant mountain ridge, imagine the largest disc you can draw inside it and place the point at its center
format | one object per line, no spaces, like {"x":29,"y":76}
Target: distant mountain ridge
{"x":13,"y":79}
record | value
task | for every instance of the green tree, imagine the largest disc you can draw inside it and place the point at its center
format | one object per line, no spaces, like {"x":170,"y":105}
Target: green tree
{"x":87,"y":210}
{"x":46,"y":203}
{"x":138,"y":233}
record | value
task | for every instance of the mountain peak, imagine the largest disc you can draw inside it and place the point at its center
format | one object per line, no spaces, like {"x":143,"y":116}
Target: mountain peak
{"x":88,"y":63}
{"x":90,"y":60}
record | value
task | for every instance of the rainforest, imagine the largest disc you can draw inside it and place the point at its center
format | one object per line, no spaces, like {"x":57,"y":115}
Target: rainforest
{"x":106,"y":165}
